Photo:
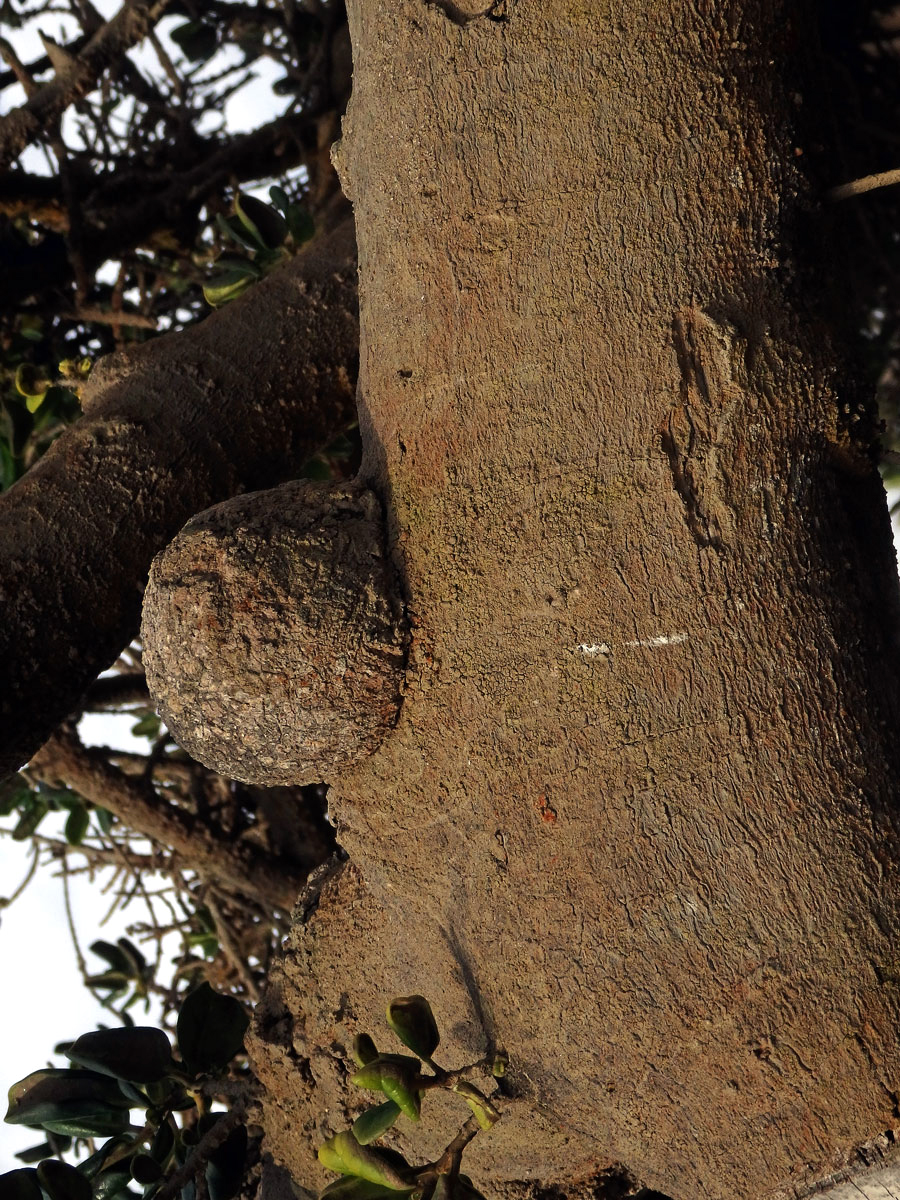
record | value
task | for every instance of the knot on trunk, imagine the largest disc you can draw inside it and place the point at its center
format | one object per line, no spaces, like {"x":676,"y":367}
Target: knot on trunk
{"x":274,"y":637}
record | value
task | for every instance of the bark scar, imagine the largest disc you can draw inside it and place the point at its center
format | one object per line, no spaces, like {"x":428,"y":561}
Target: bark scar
{"x":496,"y":11}
{"x":691,"y":435}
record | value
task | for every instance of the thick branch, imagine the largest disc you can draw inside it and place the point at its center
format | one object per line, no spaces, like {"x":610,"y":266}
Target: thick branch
{"x":237,"y":402}
{"x":239,"y":866}
{"x":75,"y":79}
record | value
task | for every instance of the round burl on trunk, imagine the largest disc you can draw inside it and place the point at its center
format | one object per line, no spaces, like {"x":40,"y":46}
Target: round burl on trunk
{"x":274,"y":640}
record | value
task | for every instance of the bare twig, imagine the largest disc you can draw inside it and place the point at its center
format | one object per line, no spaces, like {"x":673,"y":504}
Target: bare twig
{"x":204,"y":1148}
{"x":236,"y":865}
{"x":76,"y":78}
{"x":867,"y":183}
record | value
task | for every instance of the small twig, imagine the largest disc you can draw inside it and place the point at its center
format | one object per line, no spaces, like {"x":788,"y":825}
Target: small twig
{"x":207,"y":1144}
{"x":70,"y":921}
{"x":867,"y":183}
{"x":100,"y":317}
{"x":28,"y":877}
{"x":232,"y":952}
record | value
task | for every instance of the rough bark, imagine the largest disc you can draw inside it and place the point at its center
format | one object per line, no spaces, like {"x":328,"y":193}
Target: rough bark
{"x":176,"y":425}
{"x":273,"y":634}
{"x":638,"y":817}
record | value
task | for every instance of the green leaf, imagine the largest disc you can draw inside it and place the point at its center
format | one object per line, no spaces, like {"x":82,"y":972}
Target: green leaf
{"x":364,"y":1050}
{"x":233,"y":228}
{"x":484,"y":1111}
{"x":196,"y":39}
{"x":500,"y":1064}
{"x":75,"y":1102}
{"x":114,"y":955}
{"x":163,"y":1142}
{"x":104,"y":818}
{"x":140,"y":1054}
{"x":33,"y":812}
{"x":148,"y":726}
{"x":411,"y":1019}
{"x":261,"y":220}
{"x":300,"y":224}
{"x":224,"y":288}
{"x":77,"y":824}
{"x":145,"y":1169}
{"x":210,"y":1029}
{"x":44,"y":1150}
{"x":113,"y":1182}
{"x":349,"y":1187}
{"x":397,"y":1067}
{"x":13,"y":793}
{"x":225,"y":1169}
{"x":21,"y":1184}
{"x":344,"y":1154}
{"x":63,"y":1182}
{"x":375,"y":1121}
{"x":397,"y":1086}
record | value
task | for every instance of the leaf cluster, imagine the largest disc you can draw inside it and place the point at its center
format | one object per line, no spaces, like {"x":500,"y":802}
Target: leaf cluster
{"x":368,"y":1172}
{"x":115,"y":1072}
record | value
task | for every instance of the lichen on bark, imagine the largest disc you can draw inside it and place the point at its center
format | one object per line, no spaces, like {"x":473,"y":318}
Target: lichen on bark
{"x":274,"y":637}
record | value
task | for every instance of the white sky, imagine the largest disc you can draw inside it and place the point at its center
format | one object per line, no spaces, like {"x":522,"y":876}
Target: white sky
{"x":42,"y":998}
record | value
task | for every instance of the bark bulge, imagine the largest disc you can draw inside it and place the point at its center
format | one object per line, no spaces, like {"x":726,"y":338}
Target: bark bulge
{"x":274,"y":640}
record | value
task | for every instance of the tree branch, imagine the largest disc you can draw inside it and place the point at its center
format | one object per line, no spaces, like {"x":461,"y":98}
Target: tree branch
{"x":238,"y":866}
{"x":237,"y":402}
{"x":77,"y":76}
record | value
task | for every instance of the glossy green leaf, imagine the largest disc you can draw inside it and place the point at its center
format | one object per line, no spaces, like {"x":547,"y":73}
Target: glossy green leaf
{"x":75,"y":1102}
{"x":225,"y":1168}
{"x":233,"y":228}
{"x":112,"y":1183}
{"x":13,"y":793}
{"x":364,"y":1050}
{"x":145,"y":1169}
{"x":261,"y":220}
{"x":344,"y":1154}
{"x":197,"y":40}
{"x":375,"y":1121}
{"x":226,"y":287}
{"x":369,"y":1076}
{"x":21,"y":1184}
{"x":210,"y":1029}
{"x":140,"y":1054}
{"x":63,"y":1182}
{"x":349,"y":1187}
{"x":398,"y":1086}
{"x":77,"y":824}
{"x":411,"y":1019}
{"x":47,"y":1149}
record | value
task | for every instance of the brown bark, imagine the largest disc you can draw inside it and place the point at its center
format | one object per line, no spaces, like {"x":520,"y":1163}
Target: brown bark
{"x":179,"y":423}
{"x":638,"y":818}
{"x":273,"y":633}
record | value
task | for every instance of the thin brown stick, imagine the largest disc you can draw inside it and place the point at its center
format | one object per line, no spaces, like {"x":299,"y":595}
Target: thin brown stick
{"x":200,"y":1156}
{"x":867,"y":183}
{"x":238,"y":866}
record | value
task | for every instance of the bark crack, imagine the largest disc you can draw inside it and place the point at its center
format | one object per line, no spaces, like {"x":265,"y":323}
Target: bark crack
{"x":496,"y":11}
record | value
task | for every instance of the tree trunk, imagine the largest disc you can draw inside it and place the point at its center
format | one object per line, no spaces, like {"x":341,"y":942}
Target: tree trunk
{"x":637,"y":821}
